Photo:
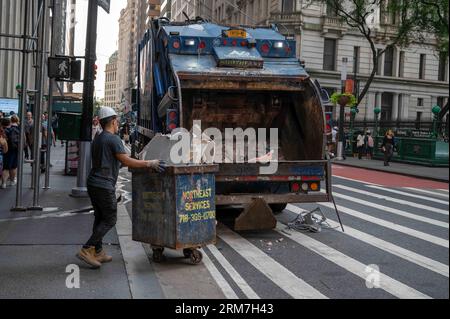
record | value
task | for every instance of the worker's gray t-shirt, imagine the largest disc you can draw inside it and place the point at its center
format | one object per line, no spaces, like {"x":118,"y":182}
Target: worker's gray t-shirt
{"x":105,"y":165}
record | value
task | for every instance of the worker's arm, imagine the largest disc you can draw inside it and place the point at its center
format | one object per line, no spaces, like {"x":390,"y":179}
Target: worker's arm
{"x":134,"y":163}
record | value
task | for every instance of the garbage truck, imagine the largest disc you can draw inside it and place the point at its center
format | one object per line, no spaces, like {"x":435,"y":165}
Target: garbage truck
{"x":243,"y":78}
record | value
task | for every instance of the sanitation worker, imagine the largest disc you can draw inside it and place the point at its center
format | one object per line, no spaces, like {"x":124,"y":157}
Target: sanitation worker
{"x":108,"y":153}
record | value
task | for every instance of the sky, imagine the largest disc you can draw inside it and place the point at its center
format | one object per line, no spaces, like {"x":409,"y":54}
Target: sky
{"x":107,"y":36}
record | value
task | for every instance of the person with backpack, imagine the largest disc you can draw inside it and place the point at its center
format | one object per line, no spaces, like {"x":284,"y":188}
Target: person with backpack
{"x":10,"y":161}
{"x":3,"y":151}
{"x":370,"y":145}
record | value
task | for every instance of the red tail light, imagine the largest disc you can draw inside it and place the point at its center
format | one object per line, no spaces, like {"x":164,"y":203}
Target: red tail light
{"x":295,"y":187}
{"x":265,"y":48}
{"x":176,"y":45}
{"x":202,"y":45}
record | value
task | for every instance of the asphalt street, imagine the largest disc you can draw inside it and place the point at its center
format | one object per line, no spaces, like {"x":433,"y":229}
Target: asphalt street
{"x":395,"y":245}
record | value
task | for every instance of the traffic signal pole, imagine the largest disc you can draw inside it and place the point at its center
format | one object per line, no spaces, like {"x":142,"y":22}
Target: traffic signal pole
{"x":84,"y":162}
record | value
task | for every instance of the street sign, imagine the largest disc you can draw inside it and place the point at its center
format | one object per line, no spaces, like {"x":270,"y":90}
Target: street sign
{"x":59,"y":67}
{"x":105,"y":4}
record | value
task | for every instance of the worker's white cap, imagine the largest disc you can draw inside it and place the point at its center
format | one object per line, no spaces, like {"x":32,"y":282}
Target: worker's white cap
{"x":106,"y":112}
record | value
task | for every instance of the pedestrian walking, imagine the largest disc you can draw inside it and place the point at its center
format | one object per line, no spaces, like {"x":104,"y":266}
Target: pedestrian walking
{"x":28,"y":128}
{"x":108,"y":153}
{"x":369,"y":144}
{"x":55,"y":127}
{"x":3,"y":150}
{"x":96,"y":127}
{"x":388,"y":146}
{"x":360,"y":145}
{"x":10,"y":161}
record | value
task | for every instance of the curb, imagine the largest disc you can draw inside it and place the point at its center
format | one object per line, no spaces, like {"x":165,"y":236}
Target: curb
{"x":397,"y":173}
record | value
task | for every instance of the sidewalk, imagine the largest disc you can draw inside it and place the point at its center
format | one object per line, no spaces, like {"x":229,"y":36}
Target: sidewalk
{"x":440,"y":174}
{"x":37,"y":247}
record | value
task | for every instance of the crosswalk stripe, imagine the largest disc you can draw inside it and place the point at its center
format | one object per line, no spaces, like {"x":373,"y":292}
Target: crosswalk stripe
{"x":237,"y":278}
{"x":409,"y":194}
{"x":444,"y":190}
{"x":392,"y":286}
{"x":427,"y":192}
{"x":278,"y":274}
{"x":215,"y":273}
{"x":392,"y":210}
{"x":402,"y":229}
{"x":406,"y":254}
{"x":395,"y":200}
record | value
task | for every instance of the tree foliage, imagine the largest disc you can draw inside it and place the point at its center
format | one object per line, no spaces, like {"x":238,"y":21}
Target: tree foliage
{"x":423,"y":18}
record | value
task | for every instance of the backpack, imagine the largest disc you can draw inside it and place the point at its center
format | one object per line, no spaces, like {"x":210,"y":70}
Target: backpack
{"x":14,"y":137}
{"x":370,"y":141}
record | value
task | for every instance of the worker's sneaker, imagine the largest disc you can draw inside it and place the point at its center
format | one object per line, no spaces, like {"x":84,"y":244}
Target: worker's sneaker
{"x":88,"y":256}
{"x":102,"y":257}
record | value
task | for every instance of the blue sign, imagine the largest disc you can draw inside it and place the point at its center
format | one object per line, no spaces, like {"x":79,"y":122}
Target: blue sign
{"x":9,"y":105}
{"x":196,"y":209}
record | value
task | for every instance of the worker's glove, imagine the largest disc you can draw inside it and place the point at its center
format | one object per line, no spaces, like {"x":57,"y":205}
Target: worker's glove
{"x":157,"y":165}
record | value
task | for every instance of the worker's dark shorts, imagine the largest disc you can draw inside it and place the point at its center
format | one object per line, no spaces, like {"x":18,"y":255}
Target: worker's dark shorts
{"x":10,"y":160}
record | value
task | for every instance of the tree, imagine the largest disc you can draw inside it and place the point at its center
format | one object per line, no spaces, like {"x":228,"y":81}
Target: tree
{"x":357,"y":15}
{"x":425,"y":17}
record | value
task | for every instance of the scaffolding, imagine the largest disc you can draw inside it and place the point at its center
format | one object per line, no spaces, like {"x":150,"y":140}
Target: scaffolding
{"x":34,"y":43}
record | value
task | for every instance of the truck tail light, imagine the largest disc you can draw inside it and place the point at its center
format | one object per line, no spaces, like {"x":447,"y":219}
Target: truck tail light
{"x":295,"y":187}
{"x":265,"y":48}
{"x":176,"y":45}
{"x":314,"y":187}
{"x":202,"y":45}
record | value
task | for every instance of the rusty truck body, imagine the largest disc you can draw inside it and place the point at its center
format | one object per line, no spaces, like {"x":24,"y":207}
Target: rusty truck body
{"x":237,"y":77}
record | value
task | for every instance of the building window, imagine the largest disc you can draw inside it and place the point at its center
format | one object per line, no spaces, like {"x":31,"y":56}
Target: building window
{"x":418,"y":119}
{"x":356,"y":52}
{"x":379,"y":61}
{"x":422,"y":66}
{"x":388,"y":61}
{"x":386,"y":106}
{"x":329,"y":55}
{"x":442,"y":66}
{"x":288,"y":6}
{"x":331,"y":11}
{"x":401,"y":65}
{"x":420,"y":101}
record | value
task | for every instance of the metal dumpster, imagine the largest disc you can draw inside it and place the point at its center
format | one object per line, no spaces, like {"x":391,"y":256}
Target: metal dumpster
{"x":175,"y":209}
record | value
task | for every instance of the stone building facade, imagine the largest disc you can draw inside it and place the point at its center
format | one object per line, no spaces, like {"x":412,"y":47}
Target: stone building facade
{"x":409,"y":80}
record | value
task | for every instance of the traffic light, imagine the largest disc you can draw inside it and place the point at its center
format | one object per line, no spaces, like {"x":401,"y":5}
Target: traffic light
{"x":95,"y":71}
{"x":172,"y":119}
{"x":328,"y":122}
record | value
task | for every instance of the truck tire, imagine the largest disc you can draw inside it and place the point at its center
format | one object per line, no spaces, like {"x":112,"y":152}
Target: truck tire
{"x":277,"y":208}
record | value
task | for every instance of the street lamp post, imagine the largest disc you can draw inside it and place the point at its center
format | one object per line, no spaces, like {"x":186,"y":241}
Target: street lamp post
{"x":377,"y":111}
{"x":435,"y":110}
{"x":340,"y":147}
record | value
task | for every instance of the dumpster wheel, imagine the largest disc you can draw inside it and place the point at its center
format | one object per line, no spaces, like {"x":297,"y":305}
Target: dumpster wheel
{"x":196,"y":257}
{"x":158,"y":255}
